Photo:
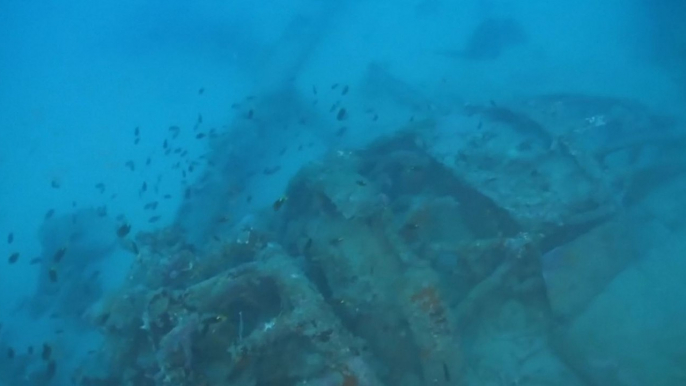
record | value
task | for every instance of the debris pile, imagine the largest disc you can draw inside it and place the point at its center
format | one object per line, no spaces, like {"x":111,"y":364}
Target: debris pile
{"x":442,"y":255}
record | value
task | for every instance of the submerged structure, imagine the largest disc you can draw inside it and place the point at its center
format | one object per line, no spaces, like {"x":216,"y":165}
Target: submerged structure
{"x":482,"y":248}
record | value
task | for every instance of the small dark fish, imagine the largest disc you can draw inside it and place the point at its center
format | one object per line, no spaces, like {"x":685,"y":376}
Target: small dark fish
{"x":55,"y":183}
{"x":13,"y":258}
{"x":248,"y":199}
{"x":101,"y":211}
{"x":52,"y":275}
{"x":29,"y":350}
{"x":446,"y":372}
{"x":151,"y":205}
{"x":308,"y":245}
{"x":492,"y":103}
{"x":361,"y":183}
{"x":165,"y":144}
{"x":59,"y":254}
{"x":59,"y":331}
{"x":101,"y":187}
{"x":342,"y":114}
{"x":187,"y":193}
{"x":144,"y":187}
{"x":279,"y":203}
{"x":10,"y":353}
{"x":154,"y":219}
{"x":10,"y":238}
{"x":333,"y":86}
{"x":167,"y":197}
{"x":271,"y":170}
{"x":51,"y":370}
{"x":336,"y":241}
{"x":136,"y":141}
{"x":340,"y":132}
{"x":148,"y":161}
{"x":345,"y":90}
{"x":129,"y":164}
{"x":200,"y":136}
{"x":201,"y":91}
{"x":130,"y":246}
{"x":199,"y":118}
{"x":46,"y":353}
{"x":250,"y":114}
{"x":35,"y":260}
{"x":124,"y":230}
{"x":104,"y":318}
{"x":49,"y":214}
{"x":314,"y":90}
{"x":137,"y":131}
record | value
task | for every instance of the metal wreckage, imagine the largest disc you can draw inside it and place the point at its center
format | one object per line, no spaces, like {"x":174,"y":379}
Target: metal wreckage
{"x":463,"y":251}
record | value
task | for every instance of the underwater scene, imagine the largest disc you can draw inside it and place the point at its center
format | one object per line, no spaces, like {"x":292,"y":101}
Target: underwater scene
{"x":343,"y":193}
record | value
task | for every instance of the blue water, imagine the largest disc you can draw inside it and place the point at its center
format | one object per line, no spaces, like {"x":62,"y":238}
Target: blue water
{"x":198,"y":123}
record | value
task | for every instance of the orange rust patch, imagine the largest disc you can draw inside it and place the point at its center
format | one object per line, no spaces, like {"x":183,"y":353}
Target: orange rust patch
{"x":349,"y":380}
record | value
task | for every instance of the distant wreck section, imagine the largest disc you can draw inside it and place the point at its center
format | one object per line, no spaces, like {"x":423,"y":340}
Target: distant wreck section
{"x":484,"y":248}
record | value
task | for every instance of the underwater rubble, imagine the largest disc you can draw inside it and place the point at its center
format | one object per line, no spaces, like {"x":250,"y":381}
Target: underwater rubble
{"x":470,"y":250}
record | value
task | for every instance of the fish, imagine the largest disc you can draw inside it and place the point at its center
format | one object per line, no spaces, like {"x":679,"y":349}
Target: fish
{"x":342,"y":114}
{"x":10,"y":353}
{"x":250,"y":114}
{"x":130,"y":246}
{"x":13,"y":258}
{"x":336,"y":241}
{"x":268,"y":171}
{"x":340,"y":132}
{"x":123,"y":230}
{"x":49,"y":214}
{"x":150,"y":206}
{"x":489,"y":40}
{"x":52,"y":275}
{"x":137,"y":131}
{"x":101,"y":187}
{"x":29,"y":350}
{"x":59,"y":254}
{"x":200,"y":136}
{"x":154,"y":219}
{"x":446,"y":372}
{"x":201,"y":90}
{"x":129,"y":164}
{"x":10,"y":238}
{"x":35,"y":260}
{"x":55,"y":183}
{"x":361,"y":183}
{"x":51,"y":370}
{"x":279,"y":203}
{"x":46,"y":353}
{"x":344,"y":90}
{"x":308,"y":245}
